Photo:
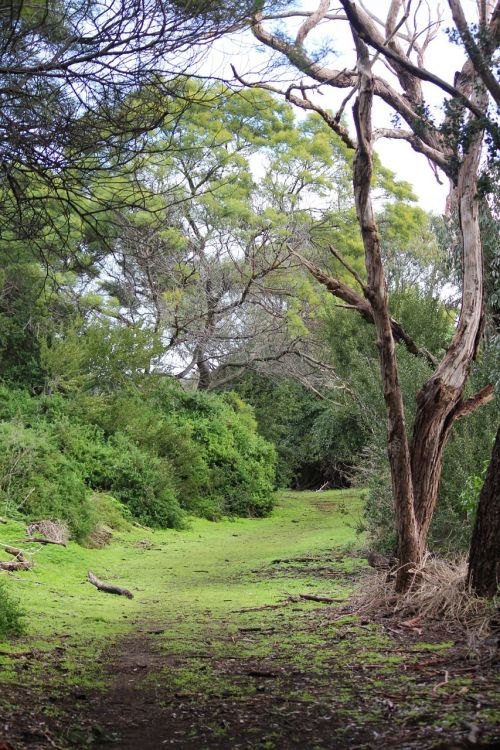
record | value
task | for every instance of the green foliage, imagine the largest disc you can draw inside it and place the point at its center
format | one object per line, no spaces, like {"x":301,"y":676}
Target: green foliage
{"x":466,"y":459}
{"x":157,"y":450}
{"x":111,"y":512}
{"x":11,"y":615}
{"x":38,"y":481}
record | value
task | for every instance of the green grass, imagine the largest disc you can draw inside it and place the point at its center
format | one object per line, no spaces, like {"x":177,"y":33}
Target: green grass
{"x":207,"y":568}
{"x":194,"y":591}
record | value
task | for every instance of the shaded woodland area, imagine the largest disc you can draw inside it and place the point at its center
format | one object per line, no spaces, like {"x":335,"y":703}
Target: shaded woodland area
{"x":212,"y":287}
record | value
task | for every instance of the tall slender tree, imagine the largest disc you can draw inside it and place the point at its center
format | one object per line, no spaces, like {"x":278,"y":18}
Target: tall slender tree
{"x":389,"y":65}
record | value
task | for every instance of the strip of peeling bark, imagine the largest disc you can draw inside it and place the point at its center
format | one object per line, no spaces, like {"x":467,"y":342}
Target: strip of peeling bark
{"x":439,"y":401}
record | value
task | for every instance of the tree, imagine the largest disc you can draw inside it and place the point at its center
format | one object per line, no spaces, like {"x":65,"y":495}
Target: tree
{"x":455,"y":147}
{"x":484,"y":558}
{"x":206,"y":265}
{"x":70,"y":77}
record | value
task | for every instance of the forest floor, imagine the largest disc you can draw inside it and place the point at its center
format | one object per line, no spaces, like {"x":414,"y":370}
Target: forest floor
{"x":219,"y":649}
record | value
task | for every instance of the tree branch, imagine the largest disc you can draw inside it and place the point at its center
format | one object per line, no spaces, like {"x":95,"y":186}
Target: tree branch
{"x":363,"y":307}
{"x":475,"y":54}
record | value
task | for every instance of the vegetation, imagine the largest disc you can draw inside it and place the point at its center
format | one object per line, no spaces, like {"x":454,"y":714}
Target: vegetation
{"x":157,"y":450}
{"x":206,"y":647}
{"x":205,"y":299}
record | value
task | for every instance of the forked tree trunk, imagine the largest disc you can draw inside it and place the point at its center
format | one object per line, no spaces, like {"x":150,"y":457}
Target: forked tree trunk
{"x":439,"y":401}
{"x":410,"y":547}
{"x":484,"y":559}
{"x":416,"y":469}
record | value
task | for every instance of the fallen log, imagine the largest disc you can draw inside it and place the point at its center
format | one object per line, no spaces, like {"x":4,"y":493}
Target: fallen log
{"x":20,"y":562}
{"x":108,"y":588}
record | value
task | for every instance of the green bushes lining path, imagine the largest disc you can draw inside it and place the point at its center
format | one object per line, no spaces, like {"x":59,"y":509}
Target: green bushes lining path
{"x":159,"y":451}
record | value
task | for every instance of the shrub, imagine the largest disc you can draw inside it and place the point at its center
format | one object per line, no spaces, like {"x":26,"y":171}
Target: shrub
{"x":157,"y":450}
{"x":11,"y":616}
{"x":38,"y":481}
{"x":111,"y":512}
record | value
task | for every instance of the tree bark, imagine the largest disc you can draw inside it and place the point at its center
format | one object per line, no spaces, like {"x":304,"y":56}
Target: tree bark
{"x":108,"y":588}
{"x":440,"y":400}
{"x":484,"y":558}
{"x":410,"y":547}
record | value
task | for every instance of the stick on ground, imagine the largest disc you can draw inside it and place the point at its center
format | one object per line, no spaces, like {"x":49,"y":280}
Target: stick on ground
{"x":42,"y":540}
{"x":109,"y":588}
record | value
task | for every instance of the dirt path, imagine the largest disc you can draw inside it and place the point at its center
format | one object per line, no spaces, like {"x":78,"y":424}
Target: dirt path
{"x":227,"y":659}
{"x":434,"y":697}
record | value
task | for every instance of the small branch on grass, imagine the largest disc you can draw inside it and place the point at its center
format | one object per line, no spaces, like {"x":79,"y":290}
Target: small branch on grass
{"x":41,"y":540}
{"x":317,"y":598}
{"x":108,"y":587}
{"x":20,"y":562}
{"x":294,"y":598}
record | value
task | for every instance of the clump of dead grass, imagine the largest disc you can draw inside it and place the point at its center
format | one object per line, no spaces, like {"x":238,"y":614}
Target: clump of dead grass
{"x":439,"y":592}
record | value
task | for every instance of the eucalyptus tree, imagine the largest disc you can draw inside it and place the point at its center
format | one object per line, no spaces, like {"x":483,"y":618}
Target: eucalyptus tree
{"x":388,"y":64}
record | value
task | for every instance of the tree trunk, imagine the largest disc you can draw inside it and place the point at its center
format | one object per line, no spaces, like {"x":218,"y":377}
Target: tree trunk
{"x":203,"y":371}
{"x":484,"y":558}
{"x":439,"y":402}
{"x":409,"y":544}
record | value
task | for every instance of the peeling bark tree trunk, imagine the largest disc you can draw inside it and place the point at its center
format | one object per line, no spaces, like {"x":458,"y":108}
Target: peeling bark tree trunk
{"x":439,"y":402}
{"x":415,"y":468}
{"x":410,"y":548}
{"x":484,"y":559}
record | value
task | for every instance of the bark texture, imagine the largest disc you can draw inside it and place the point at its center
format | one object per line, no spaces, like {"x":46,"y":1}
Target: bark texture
{"x":484,"y":559}
{"x":411,"y":550}
{"x":415,"y":467}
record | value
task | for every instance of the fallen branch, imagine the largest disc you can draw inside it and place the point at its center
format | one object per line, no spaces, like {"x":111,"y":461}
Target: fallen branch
{"x":109,"y":588}
{"x":317,"y":598}
{"x":293,"y":599}
{"x":20,"y":563}
{"x":41,"y":540}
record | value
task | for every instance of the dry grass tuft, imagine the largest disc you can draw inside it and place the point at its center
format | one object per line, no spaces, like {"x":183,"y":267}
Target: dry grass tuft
{"x":440,"y":591}
{"x":99,"y":537}
{"x":55,"y":531}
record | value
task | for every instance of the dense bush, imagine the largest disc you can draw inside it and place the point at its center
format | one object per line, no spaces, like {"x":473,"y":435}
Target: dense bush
{"x":38,"y":481}
{"x":219,"y":464}
{"x":159,"y":451}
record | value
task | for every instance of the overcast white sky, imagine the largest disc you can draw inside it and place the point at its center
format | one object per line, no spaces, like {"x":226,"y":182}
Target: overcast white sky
{"x":443,"y":58}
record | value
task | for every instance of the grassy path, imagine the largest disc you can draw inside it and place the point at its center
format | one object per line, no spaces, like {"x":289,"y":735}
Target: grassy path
{"x":199,"y":659}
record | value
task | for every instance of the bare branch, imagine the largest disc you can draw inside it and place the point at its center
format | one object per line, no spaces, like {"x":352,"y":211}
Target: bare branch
{"x":313,"y":20}
{"x":363,"y":307}
{"x":474,"y":52}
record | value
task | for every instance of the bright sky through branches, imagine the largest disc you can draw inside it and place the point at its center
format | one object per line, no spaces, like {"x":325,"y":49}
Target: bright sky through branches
{"x":442,"y":57}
